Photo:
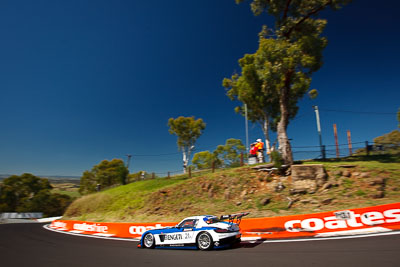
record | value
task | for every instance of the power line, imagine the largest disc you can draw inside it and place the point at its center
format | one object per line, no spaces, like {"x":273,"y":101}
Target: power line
{"x":164,"y":154}
{"x":359,"y":112}
{"x":156,"y":155}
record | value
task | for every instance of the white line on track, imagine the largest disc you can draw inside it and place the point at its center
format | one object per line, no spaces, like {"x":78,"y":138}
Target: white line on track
{"x":46,"y":226}
{"x":247,"y":241}
{"x":328,"y":238}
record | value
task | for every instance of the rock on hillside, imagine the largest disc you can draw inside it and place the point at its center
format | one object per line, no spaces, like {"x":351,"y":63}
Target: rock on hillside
{"x":307,"y":178}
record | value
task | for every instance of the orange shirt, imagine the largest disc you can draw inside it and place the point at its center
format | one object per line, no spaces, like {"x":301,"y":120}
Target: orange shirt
{"x":260,"y":145}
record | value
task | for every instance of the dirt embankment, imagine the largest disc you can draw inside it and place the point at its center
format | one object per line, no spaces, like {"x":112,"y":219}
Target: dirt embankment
{"x":262,"y":193}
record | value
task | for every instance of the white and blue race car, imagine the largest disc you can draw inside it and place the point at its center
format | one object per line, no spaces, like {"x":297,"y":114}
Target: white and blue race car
{"x":198,"y":232}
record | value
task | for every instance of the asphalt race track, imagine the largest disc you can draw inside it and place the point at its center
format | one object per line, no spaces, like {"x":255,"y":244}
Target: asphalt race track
{"x":32,"y":245}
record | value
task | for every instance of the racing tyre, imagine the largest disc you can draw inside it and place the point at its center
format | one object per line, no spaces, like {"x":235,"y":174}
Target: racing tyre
{"x":204,"y":241}
{"x":148,"y":241}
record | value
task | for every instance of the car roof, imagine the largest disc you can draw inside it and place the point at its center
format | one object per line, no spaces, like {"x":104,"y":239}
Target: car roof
{"x":198,"y":217}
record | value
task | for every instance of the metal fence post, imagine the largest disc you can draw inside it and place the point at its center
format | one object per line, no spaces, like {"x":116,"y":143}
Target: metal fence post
{"x":349,"y":143}
{"x":367,"y":148}
{"x":336,"y":141}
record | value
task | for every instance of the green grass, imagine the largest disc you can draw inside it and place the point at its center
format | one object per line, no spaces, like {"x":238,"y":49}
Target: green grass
{"x":389,"y":162}
{"x":70,"y":189}
{"x":347,"y":183}
{"x":117,"y":203}
{"x":73,"y":194}
{"x":360,"y":193}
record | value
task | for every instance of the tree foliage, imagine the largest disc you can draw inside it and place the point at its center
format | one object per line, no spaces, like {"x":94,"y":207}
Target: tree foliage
{"x":29,"y":193}
{"x":288,"y":54}
{"x":188,"y":130}
{"x":229,"y":154}
{"x":205,"y":159}
{"x":18,"y":191}
{"x":250,"y":89}
{"x":398,"y":118}
{"x":105,"y":174}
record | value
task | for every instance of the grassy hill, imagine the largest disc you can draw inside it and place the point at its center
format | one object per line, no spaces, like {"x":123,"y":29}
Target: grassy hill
{"x":354,"y":182}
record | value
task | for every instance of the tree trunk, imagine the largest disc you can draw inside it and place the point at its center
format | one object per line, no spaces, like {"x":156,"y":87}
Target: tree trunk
{"x":284,"y":144}
{"x":185,"y":160}
{"x":265,"y":128}
{"x":186,"y":156}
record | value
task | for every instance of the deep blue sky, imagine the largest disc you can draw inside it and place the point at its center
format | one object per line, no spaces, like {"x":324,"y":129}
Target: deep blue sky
{"x":82,"y":81}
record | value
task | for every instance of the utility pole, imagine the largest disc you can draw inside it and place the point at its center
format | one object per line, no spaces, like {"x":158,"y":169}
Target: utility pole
{"x":247,"y":128}
{"x":319,"y":132}
{"x":129,"y":159}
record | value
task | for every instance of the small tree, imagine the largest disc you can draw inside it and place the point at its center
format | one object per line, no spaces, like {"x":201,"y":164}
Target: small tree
{"x":205,"y":159}
{"x":188,"y":130}
{"x":229,"y":154}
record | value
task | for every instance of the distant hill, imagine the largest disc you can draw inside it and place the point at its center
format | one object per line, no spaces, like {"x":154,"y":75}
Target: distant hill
{"x":53,"y":179}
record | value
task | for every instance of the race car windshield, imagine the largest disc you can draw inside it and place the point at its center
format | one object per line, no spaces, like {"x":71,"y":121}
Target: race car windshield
{"x":188,"y":223}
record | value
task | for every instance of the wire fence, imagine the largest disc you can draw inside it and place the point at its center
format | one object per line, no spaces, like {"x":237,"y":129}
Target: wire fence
{"x":344,"y":150}
{"x":328,"y":151}
{"x":324,"y":152}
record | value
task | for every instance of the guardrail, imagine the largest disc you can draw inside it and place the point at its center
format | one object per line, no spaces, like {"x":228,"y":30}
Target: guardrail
{"x":21,"y":215}
{"x":383,"y":218}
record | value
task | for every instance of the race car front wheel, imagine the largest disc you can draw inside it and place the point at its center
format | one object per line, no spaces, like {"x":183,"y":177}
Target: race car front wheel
{"x":204,"y":241}
{"x":148,"y":241}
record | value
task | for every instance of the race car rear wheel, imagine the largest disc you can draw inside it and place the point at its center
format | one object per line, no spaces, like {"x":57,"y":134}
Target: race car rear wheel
{"x":204,"y":241}
{"x":148,"y":241}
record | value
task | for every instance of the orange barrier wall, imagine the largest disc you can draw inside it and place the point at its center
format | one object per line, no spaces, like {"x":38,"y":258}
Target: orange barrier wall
{"x":384,"y":217}
{"x":355,"y":221}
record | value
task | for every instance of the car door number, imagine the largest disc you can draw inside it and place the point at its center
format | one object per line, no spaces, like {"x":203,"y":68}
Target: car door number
{"x":188,"y":235}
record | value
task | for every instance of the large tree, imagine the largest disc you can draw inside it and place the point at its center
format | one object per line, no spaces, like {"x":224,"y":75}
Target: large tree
{"x":262,"y":105}
{"x":29,"y":193}
{"x":17,"y":191}
{"x":289,"y":53}
{"x":188,"y":130}
{"x":252,"y":90}
{"x":105,"y":174}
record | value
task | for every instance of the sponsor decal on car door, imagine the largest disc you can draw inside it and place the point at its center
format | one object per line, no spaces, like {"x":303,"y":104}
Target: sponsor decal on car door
{"x":182,"y":236}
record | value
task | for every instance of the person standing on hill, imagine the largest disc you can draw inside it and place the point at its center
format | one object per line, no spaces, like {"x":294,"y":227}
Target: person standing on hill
{"x":253,"y":150}
{"x":253,"y":154}
{"x":260,"y":150}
